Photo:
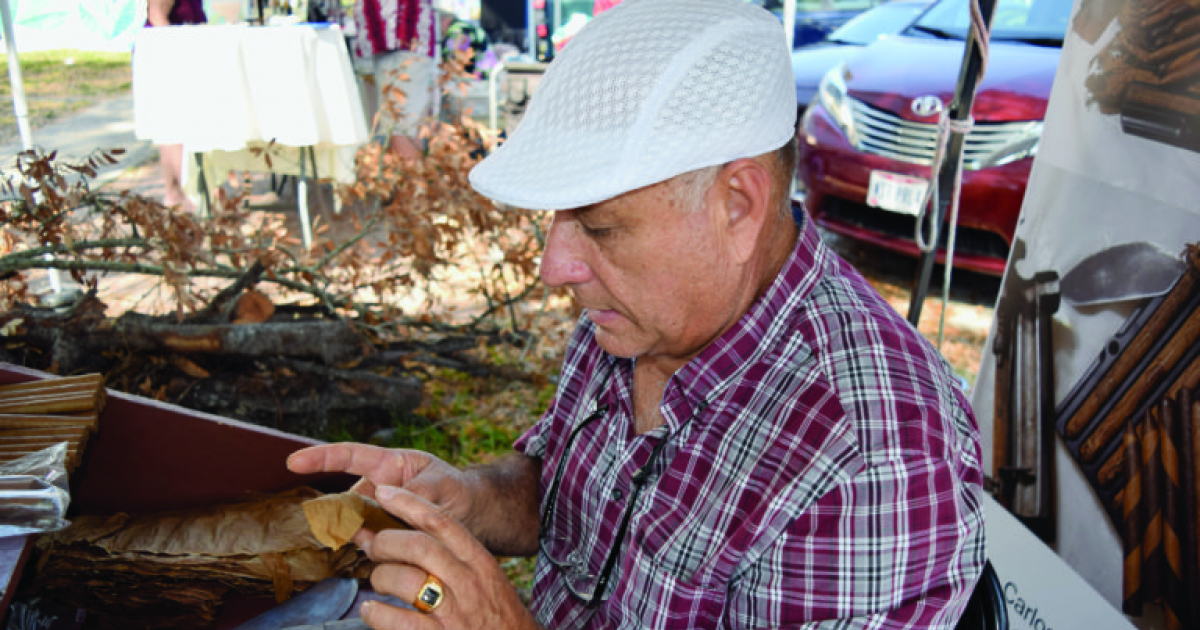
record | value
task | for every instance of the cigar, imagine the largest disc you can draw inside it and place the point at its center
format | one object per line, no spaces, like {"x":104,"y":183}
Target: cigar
{"x":1184,"y":68}
{"x":90,"y":380}
{"x":1190,"y":402}
{"x":1131,"y":523}
{"x":1171,"y":353}
{"x":1173,"y":525}
{"x":71,"y":390}
{"x":1122,"y":368}
{"x":1152,"y":532}
{"x":21,"y":421}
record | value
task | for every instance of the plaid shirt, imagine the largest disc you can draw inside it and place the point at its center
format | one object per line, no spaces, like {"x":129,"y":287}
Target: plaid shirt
{"x":821,"y":469}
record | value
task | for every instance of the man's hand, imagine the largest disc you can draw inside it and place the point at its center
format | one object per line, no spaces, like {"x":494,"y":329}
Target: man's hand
{"x":497,"y":502}
{"x":420,"y":473}
{"x":476,"y":592}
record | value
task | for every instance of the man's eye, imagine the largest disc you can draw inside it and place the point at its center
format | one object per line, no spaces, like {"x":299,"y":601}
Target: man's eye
{"x":595,"y":232}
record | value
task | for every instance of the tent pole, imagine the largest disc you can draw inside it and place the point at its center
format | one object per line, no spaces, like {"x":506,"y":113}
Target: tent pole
{"x":789,"y":22}
{"x":960,"y":110}
{"x":14,"y":78}
{"x":20,"y":109}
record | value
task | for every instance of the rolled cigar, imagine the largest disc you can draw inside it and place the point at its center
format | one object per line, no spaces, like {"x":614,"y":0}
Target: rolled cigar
{"x":50,"y":403}
{"x":1156,"y":98}
{"x":1188,"y":474}
{"x":63,"y":395}
{"x":1121,"y":369}
{"x":91,"y":380}
{"x":1185,"y":67}
{"x":1131,"y":530}
{"x":1152,"y":532}
{"x":1111,"y":470}
{"x":18,"y":420}
{"x":1194,"y":421}
{"x":1173,"y":525}
{"x":1171,"y":353}
{"x":59,"y":430}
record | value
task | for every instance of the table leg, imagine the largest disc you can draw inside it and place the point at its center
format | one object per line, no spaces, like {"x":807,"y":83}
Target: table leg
{"x":302,"y":204}
{"x":205,"y":209}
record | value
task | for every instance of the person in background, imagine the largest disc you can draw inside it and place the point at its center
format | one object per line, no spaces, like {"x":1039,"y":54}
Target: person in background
{"x":745,"y":434}
{"x":172,"y":13}
{"x":397,"y":40}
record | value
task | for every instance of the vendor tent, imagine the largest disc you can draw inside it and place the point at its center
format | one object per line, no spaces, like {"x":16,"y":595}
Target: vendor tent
{"x":106,"y":25}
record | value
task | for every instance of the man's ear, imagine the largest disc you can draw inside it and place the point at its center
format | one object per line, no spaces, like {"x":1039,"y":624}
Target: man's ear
{"x":747,"y":184}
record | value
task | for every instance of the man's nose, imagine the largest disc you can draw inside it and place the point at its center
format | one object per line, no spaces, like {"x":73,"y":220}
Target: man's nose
{"x":562,"y":264}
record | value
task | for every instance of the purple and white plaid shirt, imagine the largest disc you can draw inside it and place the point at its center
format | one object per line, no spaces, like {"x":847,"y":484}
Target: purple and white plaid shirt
{"x":821,"y":470}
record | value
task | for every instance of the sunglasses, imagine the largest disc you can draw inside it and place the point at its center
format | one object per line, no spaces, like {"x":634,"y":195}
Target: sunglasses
{"x":590,"y":587}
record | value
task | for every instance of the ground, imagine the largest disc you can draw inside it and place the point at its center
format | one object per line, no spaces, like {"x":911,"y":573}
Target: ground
{"x":58,"y":83}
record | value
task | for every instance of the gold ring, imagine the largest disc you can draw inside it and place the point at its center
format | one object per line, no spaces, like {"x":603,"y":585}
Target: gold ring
{"x":430,"y":596}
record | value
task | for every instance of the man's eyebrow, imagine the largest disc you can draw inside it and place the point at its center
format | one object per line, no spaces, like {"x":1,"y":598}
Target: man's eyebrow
{"x":592,"y":210}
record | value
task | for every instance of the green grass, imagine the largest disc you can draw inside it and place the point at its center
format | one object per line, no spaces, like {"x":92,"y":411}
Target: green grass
{"x":60,"y":82}
{"x":466,"y":420}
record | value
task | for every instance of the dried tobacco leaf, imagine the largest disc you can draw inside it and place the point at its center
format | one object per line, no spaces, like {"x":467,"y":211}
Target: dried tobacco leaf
{"x":335,"y":518}
{"x":173,"y":569}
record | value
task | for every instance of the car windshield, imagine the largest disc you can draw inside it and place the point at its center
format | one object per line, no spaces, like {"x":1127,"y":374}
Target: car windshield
{"x":881,"y":21}
{"x":1035,"y":21}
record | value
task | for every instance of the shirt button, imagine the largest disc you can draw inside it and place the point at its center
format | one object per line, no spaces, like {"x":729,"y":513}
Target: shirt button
{"x":617,"y":494}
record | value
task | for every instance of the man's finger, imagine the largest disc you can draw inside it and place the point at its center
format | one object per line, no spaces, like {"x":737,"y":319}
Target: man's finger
{"x":402,"y":581}
{"x":380,"y":465}
{"x":424,"y":517}
{"x":380,"y":615}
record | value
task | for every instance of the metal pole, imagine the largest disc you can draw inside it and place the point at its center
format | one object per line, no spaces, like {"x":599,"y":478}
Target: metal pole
{"x":960,"y":110}
{"x":15,"y":79}
{"x":789,"y":22}
{"x":21,"y":110}
{"x":530,"y":31}
{"x":302,"y":202}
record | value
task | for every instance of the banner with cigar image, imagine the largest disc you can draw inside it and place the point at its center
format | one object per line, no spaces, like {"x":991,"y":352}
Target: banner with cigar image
{"x":1086,"y":390}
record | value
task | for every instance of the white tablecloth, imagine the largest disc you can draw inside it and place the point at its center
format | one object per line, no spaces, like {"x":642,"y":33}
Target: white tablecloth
{"x":222,"y":89}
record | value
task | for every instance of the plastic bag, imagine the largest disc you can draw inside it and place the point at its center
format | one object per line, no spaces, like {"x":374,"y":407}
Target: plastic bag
{"x":33,"y":492}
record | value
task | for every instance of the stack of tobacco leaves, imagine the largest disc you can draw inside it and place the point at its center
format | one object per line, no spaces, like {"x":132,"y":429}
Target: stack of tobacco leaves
{"x":39,"y":414}
{"x":175,"y":569}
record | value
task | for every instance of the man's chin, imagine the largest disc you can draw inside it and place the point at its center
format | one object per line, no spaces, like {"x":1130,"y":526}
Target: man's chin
{"x":615,"y":344}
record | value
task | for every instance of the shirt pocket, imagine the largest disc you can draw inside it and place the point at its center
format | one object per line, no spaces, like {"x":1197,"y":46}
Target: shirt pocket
{"x":674,"y":601}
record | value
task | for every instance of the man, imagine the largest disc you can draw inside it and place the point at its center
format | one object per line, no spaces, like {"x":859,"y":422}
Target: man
{"x":745,"y":435}
{"x":397,"y":42}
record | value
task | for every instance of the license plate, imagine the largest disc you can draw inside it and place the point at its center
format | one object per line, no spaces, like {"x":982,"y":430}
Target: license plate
{"x":896,"y":193}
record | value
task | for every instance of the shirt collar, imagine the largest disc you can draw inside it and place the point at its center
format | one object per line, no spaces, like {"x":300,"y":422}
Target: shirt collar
{"x":754,"y":334}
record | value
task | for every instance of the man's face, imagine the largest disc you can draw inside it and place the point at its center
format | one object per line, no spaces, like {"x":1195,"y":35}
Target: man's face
{"x":655,"y":278}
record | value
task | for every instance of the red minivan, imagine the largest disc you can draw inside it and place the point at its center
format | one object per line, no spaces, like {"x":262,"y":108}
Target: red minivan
{"x":867,"y":141}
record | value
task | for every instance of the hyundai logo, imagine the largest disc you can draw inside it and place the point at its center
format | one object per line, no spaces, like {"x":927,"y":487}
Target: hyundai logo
{"x":926,"y":105}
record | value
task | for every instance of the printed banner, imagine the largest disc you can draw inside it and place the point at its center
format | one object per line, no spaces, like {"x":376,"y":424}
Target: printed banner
{"x":1087,"y":393}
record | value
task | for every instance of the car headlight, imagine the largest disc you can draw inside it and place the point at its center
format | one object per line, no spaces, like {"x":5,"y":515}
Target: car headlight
{"x":1017,"y":142}
{"x":832,"y":94}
